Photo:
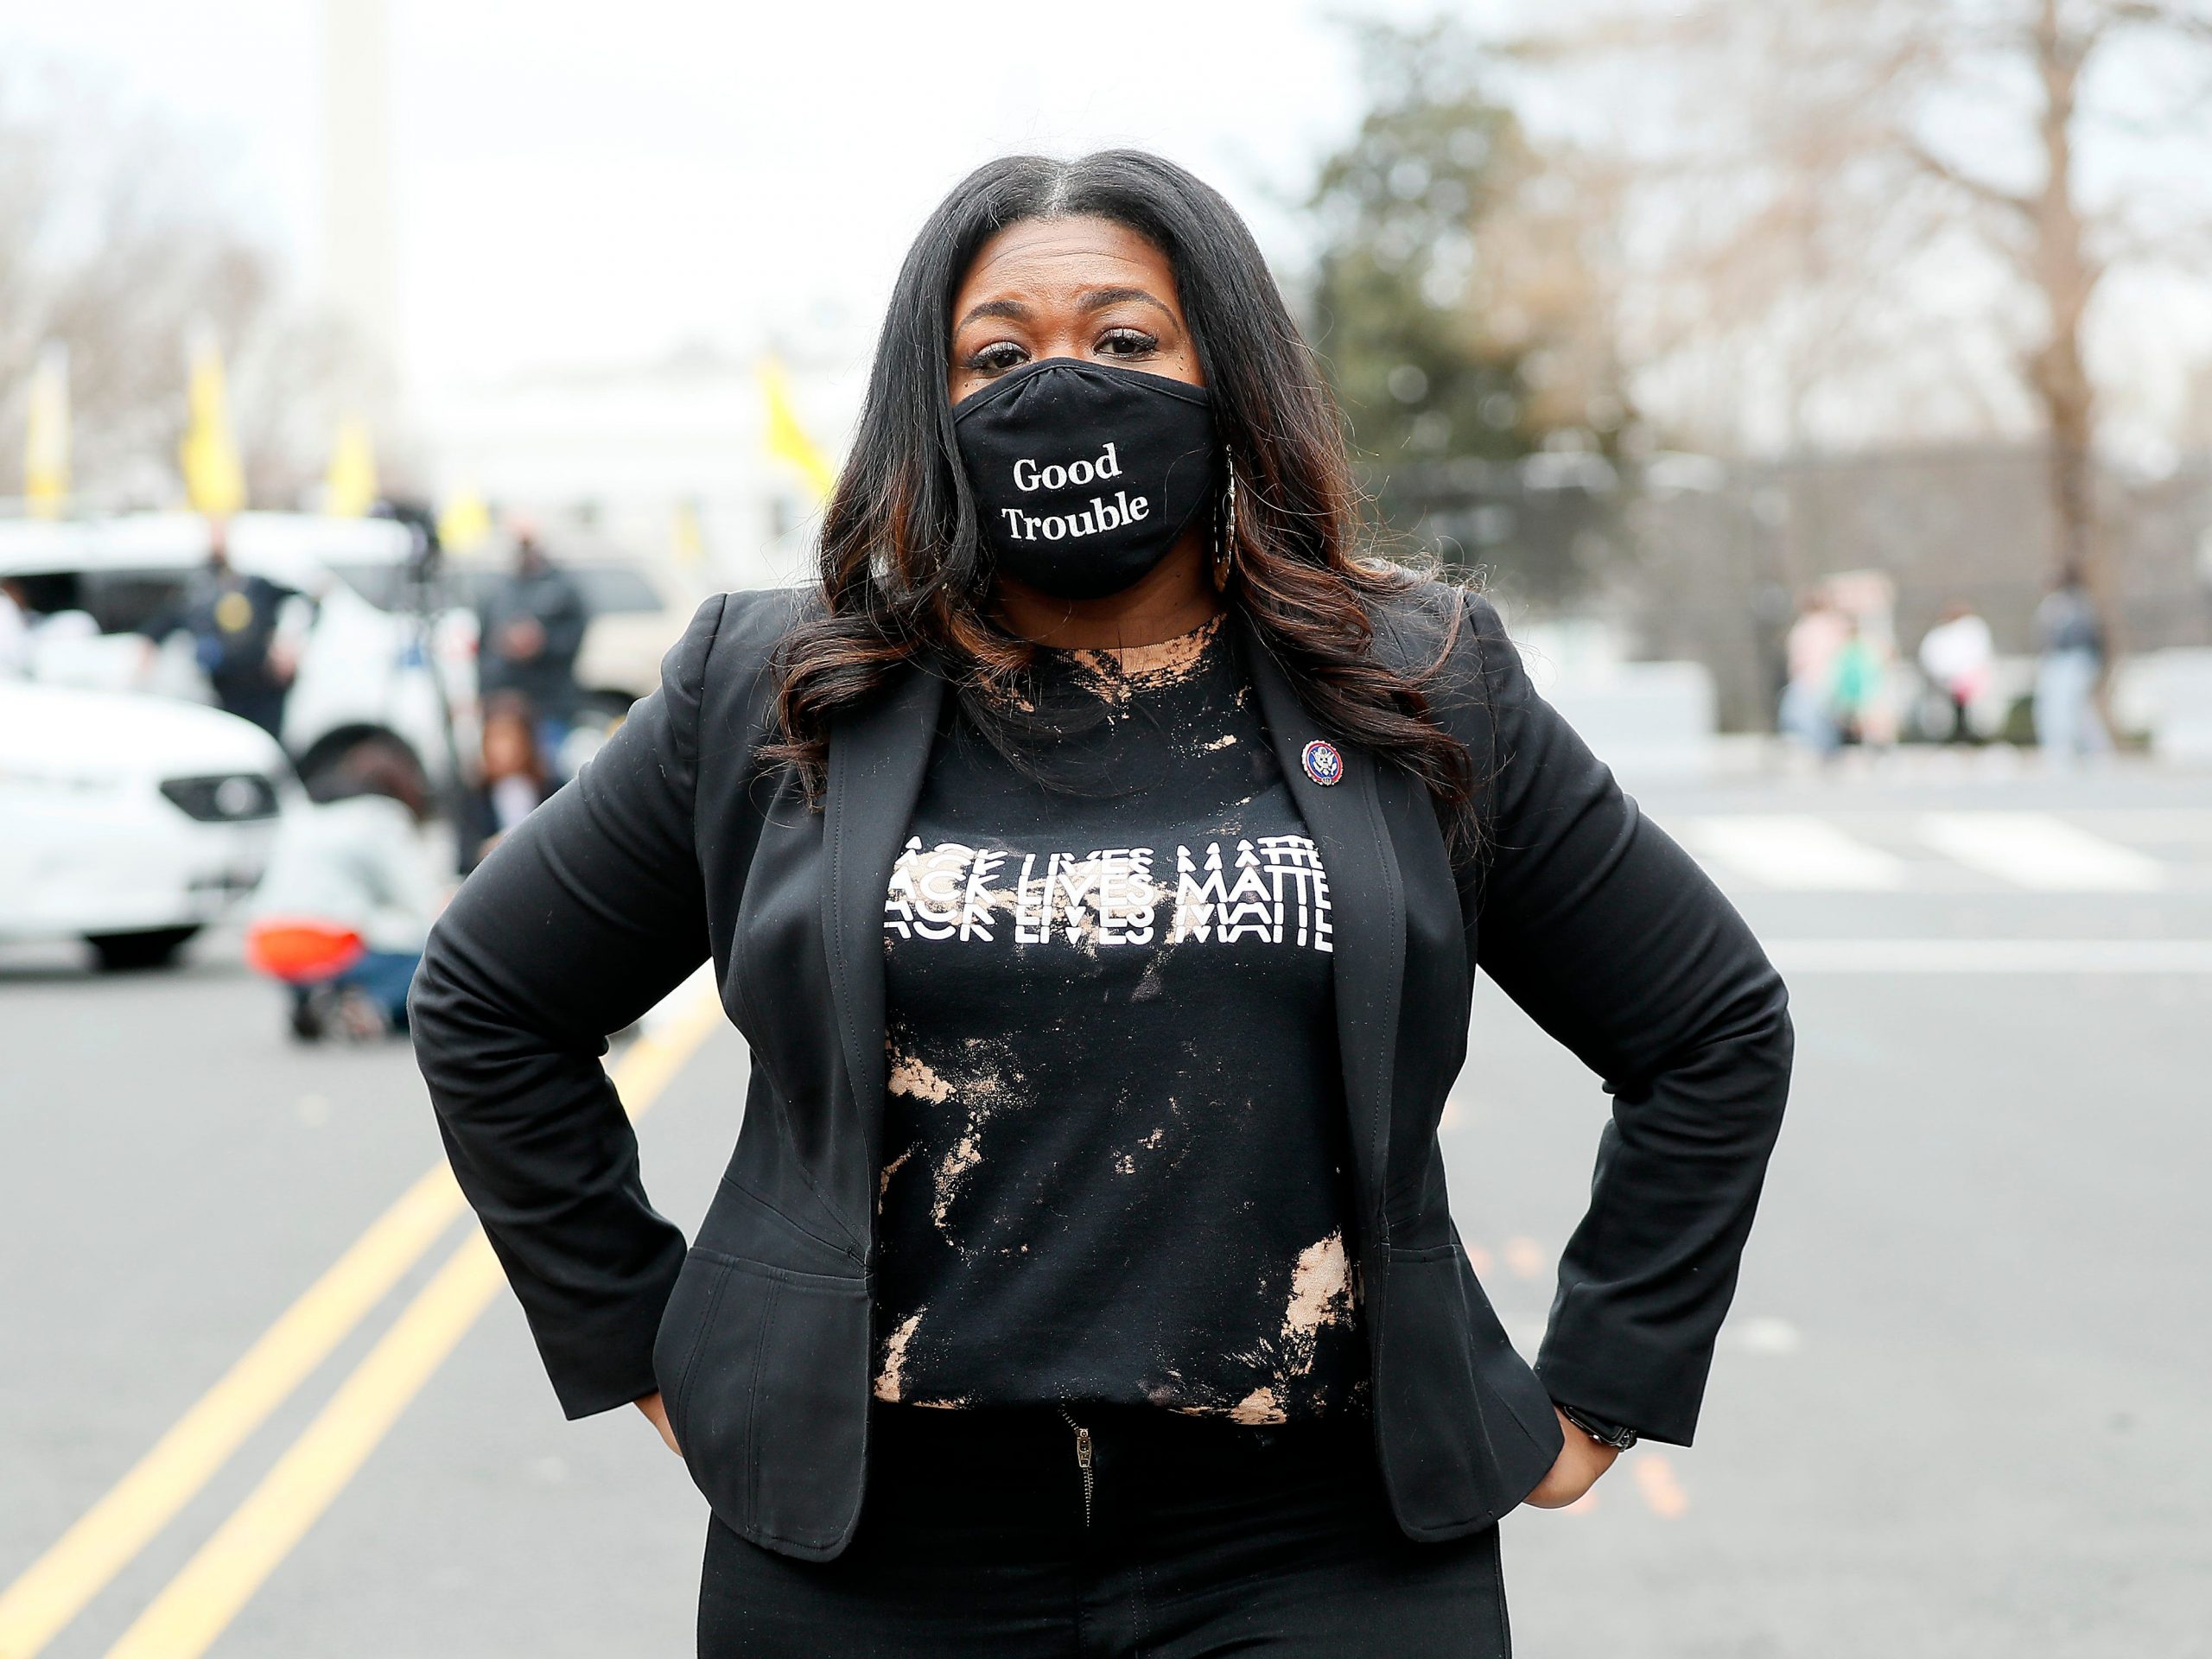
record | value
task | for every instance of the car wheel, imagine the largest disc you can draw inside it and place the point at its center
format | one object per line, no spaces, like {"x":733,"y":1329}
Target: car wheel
{"x":122,"y":953}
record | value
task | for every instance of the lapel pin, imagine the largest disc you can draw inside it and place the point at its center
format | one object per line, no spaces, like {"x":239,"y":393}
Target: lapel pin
{"x":1322,"y":762}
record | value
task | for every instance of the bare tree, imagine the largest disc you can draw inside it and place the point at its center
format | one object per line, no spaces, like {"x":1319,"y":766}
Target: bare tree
{"x":109,"y":243}
{"x":1870,"y":187}
{"x":1462,"y":299}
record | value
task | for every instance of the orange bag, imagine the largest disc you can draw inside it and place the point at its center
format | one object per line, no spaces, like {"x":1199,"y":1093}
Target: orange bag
{"x":302,"y":952}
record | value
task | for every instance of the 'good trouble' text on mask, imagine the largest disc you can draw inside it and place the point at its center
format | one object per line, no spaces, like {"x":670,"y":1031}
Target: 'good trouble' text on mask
{"x":1100,"y":515}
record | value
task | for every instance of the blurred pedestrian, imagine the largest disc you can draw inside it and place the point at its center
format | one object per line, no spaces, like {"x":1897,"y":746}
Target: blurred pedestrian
{"x":59,"y":641}
{"x":1859,"y":693}
{"x":532,"y":625}
{"x":245,"y":631}
{"x":15,"y":634}
{"x":2070,"y":639}
{"x":513,"y":778}
{"x":342,"y":912}
{"x":1816,"y":639}
{"x":1046,"y":1228}
{"x":1958,"y":657}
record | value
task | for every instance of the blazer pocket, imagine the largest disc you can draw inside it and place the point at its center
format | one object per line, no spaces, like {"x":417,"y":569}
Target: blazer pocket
{"x":684,"y":1323}
{"x":1509,"y":1381}
{"x":1456,"y":1449}
{"x":771,"y":1390}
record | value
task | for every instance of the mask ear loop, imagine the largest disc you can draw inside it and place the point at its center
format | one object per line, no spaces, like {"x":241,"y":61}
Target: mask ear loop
{"x":1224,"y":530}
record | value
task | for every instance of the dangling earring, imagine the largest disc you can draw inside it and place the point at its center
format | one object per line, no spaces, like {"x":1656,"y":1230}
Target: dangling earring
{"x":1225,"y":531}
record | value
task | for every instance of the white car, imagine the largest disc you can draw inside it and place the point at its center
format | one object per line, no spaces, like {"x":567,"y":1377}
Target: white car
{"x":128,"y":821}
{"x":373,"y":661}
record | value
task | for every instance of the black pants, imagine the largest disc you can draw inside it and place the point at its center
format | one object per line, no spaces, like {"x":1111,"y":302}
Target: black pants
{"x":1200,"y":1538}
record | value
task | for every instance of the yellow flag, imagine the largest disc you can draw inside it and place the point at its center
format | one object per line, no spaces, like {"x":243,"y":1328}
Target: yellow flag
{"x":463,"y":522}
{"x":46,"y":443}
{"x":213,"y":481}
{"x":687,"y":540}
{"x":351,"y":489}
{"x":787,"y":439}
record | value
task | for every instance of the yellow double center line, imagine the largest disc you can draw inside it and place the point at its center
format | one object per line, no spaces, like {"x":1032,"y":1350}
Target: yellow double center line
{"x":207,"y":1593}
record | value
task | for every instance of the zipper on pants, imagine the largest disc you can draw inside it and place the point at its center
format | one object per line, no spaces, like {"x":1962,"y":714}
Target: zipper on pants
{"x":1081,"y":1459}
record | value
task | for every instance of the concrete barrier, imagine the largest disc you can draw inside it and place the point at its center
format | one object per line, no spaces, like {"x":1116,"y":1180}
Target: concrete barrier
{"x":2176,"y":688}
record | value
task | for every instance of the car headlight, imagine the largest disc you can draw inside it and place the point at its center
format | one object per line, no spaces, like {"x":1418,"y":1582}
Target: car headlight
{"x":229,"y":797}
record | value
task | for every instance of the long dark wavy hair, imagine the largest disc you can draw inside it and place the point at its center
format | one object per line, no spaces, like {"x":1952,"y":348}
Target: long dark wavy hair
{"x":905,"y":577}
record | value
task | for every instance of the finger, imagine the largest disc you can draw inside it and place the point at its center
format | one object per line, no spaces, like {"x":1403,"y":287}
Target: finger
{"x":1557,"y":1489}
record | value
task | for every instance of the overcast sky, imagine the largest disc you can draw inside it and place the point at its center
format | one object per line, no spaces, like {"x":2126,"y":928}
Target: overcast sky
{"x":591,"y":183}
{"x":594,"y":184}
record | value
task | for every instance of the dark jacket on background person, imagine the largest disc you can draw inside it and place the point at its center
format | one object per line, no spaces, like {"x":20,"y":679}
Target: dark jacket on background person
{"x":676,"y":844}
{"x":232,"y":619}
{"x":2067,"y":619}
{"x":548,"y":595}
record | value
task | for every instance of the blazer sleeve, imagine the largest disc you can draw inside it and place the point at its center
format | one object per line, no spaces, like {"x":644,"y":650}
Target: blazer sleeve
{"x":585,"y":915}
{"x":1618,"y":944}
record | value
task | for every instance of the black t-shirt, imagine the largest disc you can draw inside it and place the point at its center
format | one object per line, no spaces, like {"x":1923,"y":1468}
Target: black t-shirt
{"x":1115,"y":1150}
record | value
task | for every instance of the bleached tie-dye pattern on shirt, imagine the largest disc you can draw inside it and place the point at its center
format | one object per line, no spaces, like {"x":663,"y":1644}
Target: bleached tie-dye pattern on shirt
{"x":1114,"y":1154}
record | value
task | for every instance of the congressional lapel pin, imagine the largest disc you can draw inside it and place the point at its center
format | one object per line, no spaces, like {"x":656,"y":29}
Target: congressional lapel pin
{"x":1322,"y":762}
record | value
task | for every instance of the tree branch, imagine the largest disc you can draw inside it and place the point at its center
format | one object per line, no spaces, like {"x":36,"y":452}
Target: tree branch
{"x":1980,"y":189}
{"x":2157,"y":14}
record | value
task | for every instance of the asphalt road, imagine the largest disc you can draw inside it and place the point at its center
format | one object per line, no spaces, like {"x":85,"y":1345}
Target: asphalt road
{"x":1959,"y":1410}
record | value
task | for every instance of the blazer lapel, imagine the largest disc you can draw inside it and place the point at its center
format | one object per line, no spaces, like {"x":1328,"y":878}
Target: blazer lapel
{"x":877,"y":758}
{"x":1368,"y":911}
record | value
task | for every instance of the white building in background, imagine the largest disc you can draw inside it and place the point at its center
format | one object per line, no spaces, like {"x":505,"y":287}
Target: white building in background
{"x":665,"y":462}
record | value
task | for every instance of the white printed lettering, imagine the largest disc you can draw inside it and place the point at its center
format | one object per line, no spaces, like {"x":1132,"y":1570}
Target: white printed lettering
{"x":1271,"y":890}
{"x":1248,"y":911}
{"x":1100,"y":515}
{"x":1028,"y":477}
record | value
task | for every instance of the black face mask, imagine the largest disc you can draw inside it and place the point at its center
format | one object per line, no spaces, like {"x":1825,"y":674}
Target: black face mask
{"x":1085,"y":474}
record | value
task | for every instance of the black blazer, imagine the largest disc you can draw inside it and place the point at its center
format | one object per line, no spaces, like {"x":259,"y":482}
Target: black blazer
{"x":674,"y":844}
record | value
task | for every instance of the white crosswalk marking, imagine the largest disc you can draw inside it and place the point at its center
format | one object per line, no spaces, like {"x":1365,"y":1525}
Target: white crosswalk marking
{"x":2035,"y":850}
{"x":1795,"y":850}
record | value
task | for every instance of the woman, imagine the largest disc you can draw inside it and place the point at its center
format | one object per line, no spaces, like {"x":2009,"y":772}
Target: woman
{"x":1959,"y":656}
{"x":1096,"y":862}
{"x":2070,"y":641}
{"x":513,"y":780}
{"x":1815,"y":644}
{"x":341,"y":913}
